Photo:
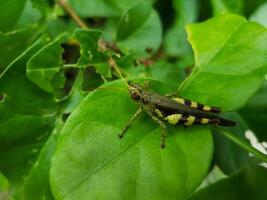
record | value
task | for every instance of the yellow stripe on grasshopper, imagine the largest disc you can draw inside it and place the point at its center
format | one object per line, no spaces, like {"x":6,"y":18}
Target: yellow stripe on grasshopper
{"x":204,"y":121}
{"x":207,"y":108}
{"x":179,"y":100}
{"x":173,"y":119}
{"x":190,"y":120}
{"x":193,"y":104}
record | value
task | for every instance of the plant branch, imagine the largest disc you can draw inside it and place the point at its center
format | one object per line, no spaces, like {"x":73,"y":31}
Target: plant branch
{"x":68,"y":9}
{"x":244,"y":145}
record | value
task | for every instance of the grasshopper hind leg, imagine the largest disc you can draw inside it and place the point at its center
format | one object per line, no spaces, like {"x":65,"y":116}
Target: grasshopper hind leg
{"x":128,"y":125}
{"x":164,"y":133}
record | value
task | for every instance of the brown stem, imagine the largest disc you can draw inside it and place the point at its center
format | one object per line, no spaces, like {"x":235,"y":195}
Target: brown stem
{"x":65,"y":5}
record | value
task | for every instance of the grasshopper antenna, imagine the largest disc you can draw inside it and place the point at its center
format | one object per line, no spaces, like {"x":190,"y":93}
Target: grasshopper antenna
{"x":114,"y":65}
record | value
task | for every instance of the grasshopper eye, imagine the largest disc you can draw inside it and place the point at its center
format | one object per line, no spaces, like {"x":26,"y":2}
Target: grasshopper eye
{"x":135,"y":96}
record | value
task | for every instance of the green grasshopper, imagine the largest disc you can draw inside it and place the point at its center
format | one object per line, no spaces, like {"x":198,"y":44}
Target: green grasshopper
{"x":172,"y":110}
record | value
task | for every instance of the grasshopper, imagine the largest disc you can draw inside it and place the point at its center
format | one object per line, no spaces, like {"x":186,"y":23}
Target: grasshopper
{"x":172,"y":110}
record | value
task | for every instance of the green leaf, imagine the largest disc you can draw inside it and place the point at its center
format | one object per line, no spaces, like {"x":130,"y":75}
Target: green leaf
{"x":102,"y":8}
{"x":169,"y":74}
{"x":247,"y":184}
{"x":92,"y":161}
{"x":223,"y":6}
{"x":23,"y":28}
{"x":139,"y":29}
{"x":252,"y":5}
{"x":175,"y":42}
{"x":228,"y":156}
{"x":254,"y":113}
{"x":58,"y":26}
{"x":260,"y":15}
{"x":46,"y":68}
{"x":36,"y":184}
{"x":14,"y":43}
{"x":10,"y":13}
{"x":28,"y":117}
{"x":4,"y":188}
{"x":89,"y":47}
{"x":30,"y":15}
{"x":45,"y":6}
{"x":43,"y":66}
{"x":223,"y":75}
{"x":4,"y":184}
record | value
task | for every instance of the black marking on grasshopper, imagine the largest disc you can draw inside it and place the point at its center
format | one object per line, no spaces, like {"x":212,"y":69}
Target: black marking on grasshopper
{"x":179,"y":111}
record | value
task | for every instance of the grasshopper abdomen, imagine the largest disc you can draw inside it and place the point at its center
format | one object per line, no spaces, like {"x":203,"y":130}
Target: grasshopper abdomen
{"x":177,"y":110}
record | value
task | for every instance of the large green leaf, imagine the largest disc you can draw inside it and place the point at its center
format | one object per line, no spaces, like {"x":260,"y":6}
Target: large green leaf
{"x":248,"y":184}
{"x":91,"y":162}
{"x":139,"y":29}
{"x":225,"y":74}
{"x":36,"y":184}
{"x":27,"y":119}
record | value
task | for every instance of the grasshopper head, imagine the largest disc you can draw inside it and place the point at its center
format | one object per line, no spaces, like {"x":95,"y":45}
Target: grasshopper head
{"x":135,"y":91}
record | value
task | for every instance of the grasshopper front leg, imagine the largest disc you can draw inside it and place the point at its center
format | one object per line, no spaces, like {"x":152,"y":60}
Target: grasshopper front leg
{"x":122,"y":133}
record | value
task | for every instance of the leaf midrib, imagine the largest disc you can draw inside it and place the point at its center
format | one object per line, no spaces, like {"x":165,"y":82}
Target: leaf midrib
{"x":107,"y":164}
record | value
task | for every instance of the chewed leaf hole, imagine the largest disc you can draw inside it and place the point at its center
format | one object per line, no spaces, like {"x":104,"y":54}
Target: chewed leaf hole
{"x":71,"y":53}
{"x":2,"y":97}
